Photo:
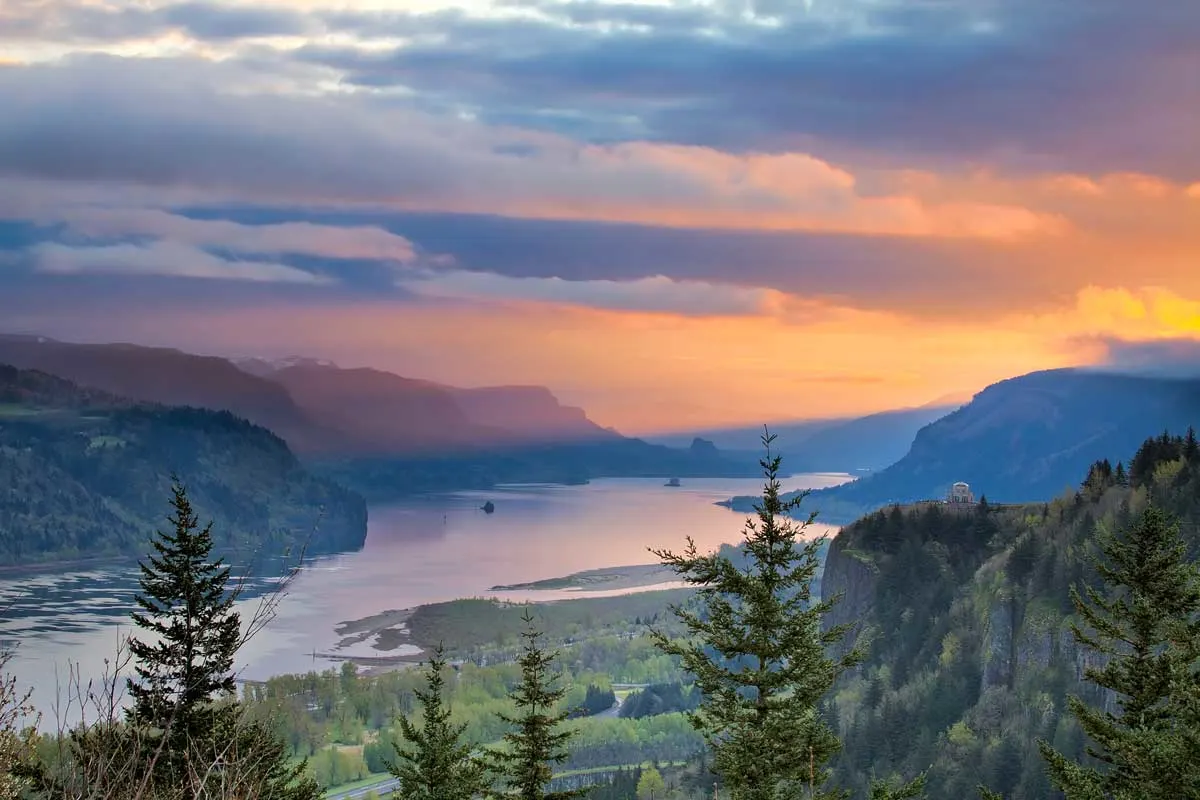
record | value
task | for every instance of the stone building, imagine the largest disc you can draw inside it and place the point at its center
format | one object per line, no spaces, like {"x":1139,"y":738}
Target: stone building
{"x":961,"y":493}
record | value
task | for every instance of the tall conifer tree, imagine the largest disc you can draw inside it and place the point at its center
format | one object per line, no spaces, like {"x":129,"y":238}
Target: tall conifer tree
{"x":1147,"y":623}
{"x":758,"y":653}
{"x":437,"y":764}
{"x":187,"y":665}
{"x":538,"y":740}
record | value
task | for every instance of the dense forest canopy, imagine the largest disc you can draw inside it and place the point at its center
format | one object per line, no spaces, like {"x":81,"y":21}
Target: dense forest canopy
{"x":83,"y":474}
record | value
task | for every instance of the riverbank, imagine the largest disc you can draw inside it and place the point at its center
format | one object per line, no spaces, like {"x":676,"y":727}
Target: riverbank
{"x":604,"y":579}
{"x":399,"y":638}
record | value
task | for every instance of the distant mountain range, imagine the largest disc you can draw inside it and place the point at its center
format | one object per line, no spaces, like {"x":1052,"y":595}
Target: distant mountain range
{"x":380,"y":433}
{"x":319,"y":408}
{"x":1021,"y":440}
{"x":853,"y":445}
{"x":85,"y":474}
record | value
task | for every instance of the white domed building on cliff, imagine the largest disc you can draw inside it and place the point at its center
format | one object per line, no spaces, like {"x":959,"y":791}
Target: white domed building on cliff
{"x":961,"y":494}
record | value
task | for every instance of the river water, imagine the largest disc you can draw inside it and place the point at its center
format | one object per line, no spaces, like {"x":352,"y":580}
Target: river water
{"x":421,"y":550}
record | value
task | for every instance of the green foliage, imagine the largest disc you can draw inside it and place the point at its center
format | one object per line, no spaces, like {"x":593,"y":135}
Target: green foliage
{"x":436,"y":764}
{"x":82,"y":475}
{"x":539,"y":739}
{"x":967,"y":617}
{"x":316,"y":709}
{"x":758,"y":654}
{"x":889,"y":790}
{"x":660,"y":698}
{"x":15,"y":745}
{"x":467,"y":626}
{"x":650,"y":785}
{"x":335,"y":766}
{"x":1147,"y":627}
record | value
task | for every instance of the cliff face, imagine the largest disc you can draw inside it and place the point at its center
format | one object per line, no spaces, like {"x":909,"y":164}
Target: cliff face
{"x":967,"y":622}
{"x":850,"y":574}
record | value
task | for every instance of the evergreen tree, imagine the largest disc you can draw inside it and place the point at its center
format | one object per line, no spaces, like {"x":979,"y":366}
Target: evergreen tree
{"x":187,"y":736}
{"x":1147,"y":624}
{"x":188,"y":664}
{"x":439,"y":766}
{"x":1191,"y":447}
{"x":759,"y":654}
{"x":539,"y":740}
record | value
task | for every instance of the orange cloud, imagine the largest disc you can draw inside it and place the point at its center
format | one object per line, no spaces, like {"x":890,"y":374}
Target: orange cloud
{"x":698,"y":187}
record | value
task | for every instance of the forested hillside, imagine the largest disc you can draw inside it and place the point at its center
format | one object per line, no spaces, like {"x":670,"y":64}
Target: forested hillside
{"x":966,"y":617}
{"x":83,"y":474}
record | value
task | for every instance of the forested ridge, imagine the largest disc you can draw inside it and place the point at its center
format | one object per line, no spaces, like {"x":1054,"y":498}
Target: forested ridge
{"x":83,"y":474}
{"x":967,"y":620}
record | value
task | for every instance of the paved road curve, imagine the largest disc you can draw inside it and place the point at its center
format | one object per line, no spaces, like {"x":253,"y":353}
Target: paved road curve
{"x":382,"y":789}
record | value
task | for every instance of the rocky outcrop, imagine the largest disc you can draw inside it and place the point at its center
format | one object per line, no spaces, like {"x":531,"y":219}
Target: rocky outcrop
{"x":851,"y":575}
{"x":998,"y":655}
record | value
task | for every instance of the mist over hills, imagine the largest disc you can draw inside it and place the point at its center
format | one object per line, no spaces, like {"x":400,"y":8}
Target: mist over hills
{"x":851,"y":445}
{"x":382,"y":434}
{"x":1024,"y":439}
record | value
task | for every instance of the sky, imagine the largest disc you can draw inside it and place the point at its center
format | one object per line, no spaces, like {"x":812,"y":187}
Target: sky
{"x":675,"y":213}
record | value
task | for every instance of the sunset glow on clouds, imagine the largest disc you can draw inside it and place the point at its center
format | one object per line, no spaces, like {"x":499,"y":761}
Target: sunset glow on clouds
{"x":676,"y":214}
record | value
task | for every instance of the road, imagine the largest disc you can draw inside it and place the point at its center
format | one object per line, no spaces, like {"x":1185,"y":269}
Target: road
{"x":382,"y":788}
{"x":615,"y":711}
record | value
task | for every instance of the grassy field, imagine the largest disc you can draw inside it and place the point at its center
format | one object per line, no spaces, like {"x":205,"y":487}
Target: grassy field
{"x":11,"y":410}
{"x":462,"y":625}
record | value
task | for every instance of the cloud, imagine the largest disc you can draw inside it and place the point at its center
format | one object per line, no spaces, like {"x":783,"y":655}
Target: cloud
{"x":169,"y":125}
{"x":330,"y":241}
{"x":73,"y":21}
{"x":1023,"y":83}
{"x":657,"y":293}
{"x":1026,"y":83}
{"x":160,"y":258}
{"x":1169,"y":358}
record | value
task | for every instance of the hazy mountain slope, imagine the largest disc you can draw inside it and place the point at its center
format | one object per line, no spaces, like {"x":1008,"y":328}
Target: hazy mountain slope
{"x":380,"y":412}
{"x":1023,"y":439}
{"x":377,"y":412}
{"x":831,"y":445}
{"x":320,"y":409}
{"x":867,"y":443}
{"x":171,"y":377}
{"x":86,"y":474}
{"x":380,"y":432}
{"x":527,"y":414}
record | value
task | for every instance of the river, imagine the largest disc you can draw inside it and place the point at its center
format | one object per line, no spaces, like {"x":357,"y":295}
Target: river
{"x":421,"y":550}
